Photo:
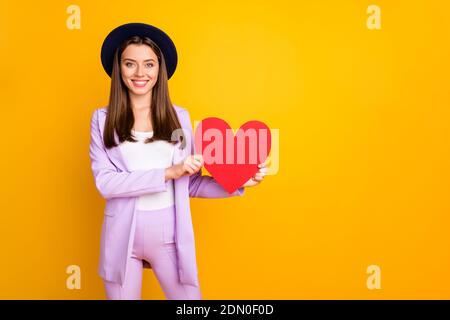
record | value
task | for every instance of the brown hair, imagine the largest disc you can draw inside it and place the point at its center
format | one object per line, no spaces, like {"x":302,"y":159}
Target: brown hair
{"x":120,"y":115}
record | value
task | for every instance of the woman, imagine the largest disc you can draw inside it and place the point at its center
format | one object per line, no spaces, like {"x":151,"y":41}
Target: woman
{"x":142,"y":159}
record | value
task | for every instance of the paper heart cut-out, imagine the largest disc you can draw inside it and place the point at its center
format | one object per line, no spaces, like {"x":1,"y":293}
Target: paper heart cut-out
{"x":232,"y":159}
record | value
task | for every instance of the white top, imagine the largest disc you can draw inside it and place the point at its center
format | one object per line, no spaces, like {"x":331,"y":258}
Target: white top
{"x":144,"y":156}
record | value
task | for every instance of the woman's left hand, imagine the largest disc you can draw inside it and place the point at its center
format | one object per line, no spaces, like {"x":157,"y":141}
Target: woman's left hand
{"x":259,"y":176}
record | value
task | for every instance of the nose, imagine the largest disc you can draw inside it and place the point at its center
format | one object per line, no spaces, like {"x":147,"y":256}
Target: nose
{"x":139,"y":71}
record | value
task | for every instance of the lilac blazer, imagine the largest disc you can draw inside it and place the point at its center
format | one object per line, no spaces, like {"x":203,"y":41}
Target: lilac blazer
{"x":121,"y":187}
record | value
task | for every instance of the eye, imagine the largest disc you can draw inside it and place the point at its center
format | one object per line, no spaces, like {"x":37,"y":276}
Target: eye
{"x":128,"y":64}
{"x":149,"y":65}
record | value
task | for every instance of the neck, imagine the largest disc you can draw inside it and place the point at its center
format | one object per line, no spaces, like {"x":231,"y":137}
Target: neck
{"x":141,"y":103}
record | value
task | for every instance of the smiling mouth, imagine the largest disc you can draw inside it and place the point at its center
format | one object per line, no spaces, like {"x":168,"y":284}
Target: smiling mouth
{"x":139,"y":83}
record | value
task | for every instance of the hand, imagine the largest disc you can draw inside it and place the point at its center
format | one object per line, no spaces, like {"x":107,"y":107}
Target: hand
{"x":192,"y":164}
{"x":259,"y":176}
{"x":189,"y":166}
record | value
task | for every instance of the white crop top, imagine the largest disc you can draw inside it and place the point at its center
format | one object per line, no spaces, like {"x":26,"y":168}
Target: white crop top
{"x":144,"y":156}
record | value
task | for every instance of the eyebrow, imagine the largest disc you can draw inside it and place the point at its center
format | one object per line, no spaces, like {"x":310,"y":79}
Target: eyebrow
{"x":135,"y":60}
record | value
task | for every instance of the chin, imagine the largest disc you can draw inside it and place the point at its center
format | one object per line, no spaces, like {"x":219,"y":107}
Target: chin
{"x":139,"y":92}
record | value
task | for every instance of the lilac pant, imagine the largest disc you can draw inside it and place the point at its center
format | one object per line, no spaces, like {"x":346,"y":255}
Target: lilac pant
{"x":154,"y":242}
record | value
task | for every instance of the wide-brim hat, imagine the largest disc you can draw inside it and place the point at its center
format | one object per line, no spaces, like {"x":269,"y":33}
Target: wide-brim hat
{"x":116,"y":37}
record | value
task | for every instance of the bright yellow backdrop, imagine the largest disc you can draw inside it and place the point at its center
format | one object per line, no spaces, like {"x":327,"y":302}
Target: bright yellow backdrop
{"x":363,"y":116}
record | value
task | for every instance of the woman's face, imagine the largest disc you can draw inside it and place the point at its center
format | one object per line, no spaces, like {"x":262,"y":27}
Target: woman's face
{"x":139,"y":67}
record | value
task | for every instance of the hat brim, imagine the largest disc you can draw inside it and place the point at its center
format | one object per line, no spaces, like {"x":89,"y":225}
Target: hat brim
{"x":117,"y":36}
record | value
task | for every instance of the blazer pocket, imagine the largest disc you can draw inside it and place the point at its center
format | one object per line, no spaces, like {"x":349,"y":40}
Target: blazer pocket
{"x":110,"y":213}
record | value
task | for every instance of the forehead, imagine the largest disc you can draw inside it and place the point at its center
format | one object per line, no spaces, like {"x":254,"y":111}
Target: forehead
{"x":139,"y":52}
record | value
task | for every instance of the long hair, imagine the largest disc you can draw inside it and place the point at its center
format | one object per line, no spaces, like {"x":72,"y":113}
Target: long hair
{"x":120,"y":117}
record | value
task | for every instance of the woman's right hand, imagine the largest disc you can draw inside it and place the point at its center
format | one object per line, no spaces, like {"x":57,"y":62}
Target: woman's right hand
{"x":191,"y":165}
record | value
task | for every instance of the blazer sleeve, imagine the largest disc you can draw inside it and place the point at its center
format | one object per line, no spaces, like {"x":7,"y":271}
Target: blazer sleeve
{"x":114,"y":184}
{"x":204,"y":186}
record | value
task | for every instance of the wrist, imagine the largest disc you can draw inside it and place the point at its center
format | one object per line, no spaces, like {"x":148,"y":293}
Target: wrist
{"x":170,"y":173}
{"x":174,"y":172}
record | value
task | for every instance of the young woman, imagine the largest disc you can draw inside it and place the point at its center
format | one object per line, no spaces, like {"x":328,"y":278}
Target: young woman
{"x":145,"y":171}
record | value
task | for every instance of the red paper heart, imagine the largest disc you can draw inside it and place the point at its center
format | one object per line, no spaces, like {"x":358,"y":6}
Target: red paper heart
{"x":232,"y":159}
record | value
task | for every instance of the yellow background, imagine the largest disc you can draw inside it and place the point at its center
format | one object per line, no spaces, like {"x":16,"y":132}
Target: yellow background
{"x":364,"y":145}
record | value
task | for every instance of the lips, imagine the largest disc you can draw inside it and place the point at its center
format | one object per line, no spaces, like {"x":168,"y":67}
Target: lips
{"x":139,"y":83}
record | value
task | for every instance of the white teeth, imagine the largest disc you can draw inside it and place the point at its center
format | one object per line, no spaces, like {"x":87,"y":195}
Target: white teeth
{"x":140,"y":83}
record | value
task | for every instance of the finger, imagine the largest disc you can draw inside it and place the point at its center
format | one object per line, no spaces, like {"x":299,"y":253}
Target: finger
{"x":256,"y":180}
{"x":262,"y":174}
{"x":188,"y":168}
{"x":200,"y":160}
{"x":197,"y":168}
{"x":198,"y":157}
{"x":259,"y":176}
{"x":263,"y":170}
{"x":193,"y":167}
{"x":190,"y":171}
{"x":190,"y":160}
{"x":196,"y":164}
{"x":265,"y":163}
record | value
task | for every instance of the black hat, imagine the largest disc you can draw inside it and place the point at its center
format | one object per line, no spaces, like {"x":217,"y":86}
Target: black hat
{"x":116,"y":37}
